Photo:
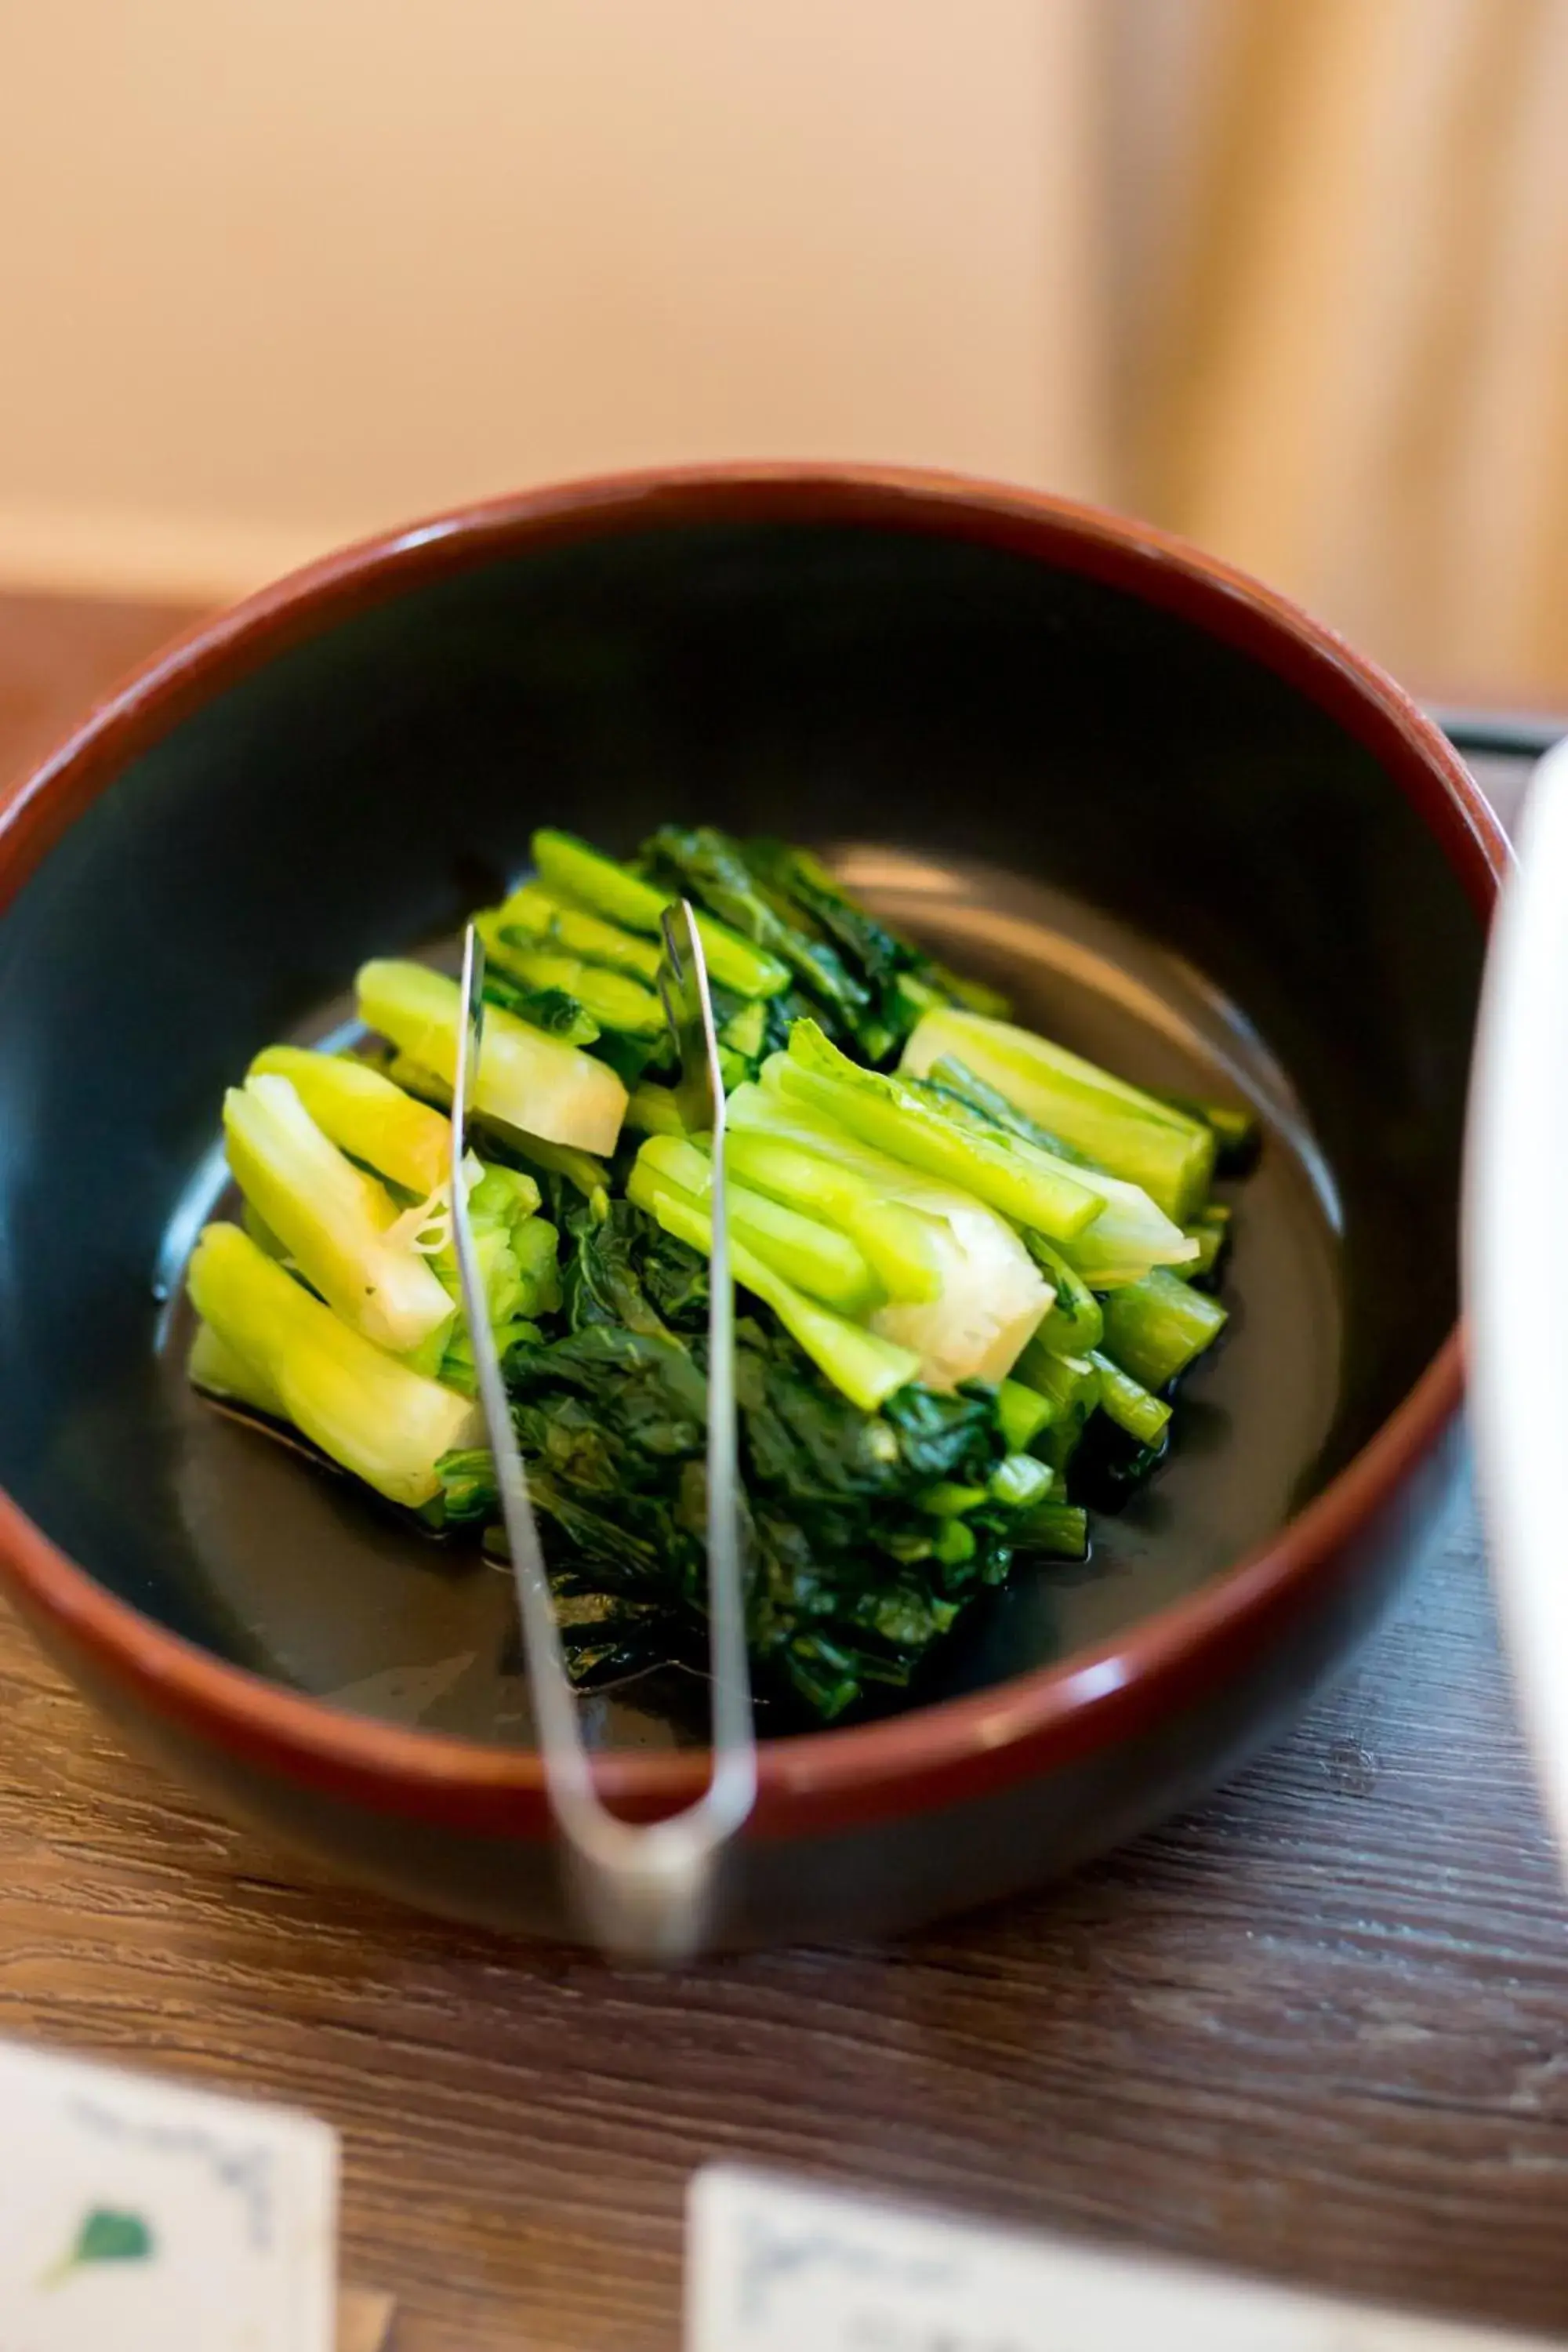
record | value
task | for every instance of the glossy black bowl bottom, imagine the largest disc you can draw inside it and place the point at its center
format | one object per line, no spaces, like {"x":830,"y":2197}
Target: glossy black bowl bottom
{"x":323,"y":1590}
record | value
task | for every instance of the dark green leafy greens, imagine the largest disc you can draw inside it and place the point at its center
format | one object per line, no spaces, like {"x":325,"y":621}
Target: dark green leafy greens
{"x":553,"y":1010}
{"x":708,"y":866}
{"x":864,"y":982}
{"x":854,"y":1576}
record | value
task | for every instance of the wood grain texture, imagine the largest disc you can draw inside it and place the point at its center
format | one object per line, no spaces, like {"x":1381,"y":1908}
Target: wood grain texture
{"x":365,"y":2320}
{"x":1318,"y":2029}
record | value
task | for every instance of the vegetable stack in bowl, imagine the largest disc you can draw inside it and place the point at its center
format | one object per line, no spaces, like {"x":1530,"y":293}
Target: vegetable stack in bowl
{"x":971,"y":1266}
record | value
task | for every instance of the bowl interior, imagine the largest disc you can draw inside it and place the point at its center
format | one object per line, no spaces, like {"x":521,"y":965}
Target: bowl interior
{"x":1169,"y":856}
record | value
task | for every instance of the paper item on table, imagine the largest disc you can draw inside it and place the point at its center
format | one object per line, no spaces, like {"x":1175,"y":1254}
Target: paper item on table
{"x":776,"y":2266}
{"x":134,"y":2212}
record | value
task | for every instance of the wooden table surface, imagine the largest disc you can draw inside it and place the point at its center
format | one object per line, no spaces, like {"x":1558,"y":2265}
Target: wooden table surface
{"x":1318,"y":2029}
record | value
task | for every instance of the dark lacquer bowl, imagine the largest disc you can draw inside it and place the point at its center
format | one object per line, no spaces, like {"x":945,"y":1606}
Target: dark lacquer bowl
{"x":1192,"y":833}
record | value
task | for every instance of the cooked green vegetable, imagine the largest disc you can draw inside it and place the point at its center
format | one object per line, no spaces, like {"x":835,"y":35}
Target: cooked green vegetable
{"x":340,"y":1227}
{"x":778,"y":1148}
{"x":1021,"y":1414}
{"x":868,"y":984}
{"x":1237,"y":1133}
{"x":1033,"y":1189}
{"x":654,"y":1109}
{"x":528,"y":1082}
{"x":578,"y":875}
{"x":853,"y":1578}
{"x":706,"y":865}
{"x":390,"y":1426}
{"x":1155,"y":1327}
{"x":585,"y":1174}
{"x":878,"y":953}
{"x":1210,"y":1229}
{"x":951,"y":1086}
{"x":365,"y":1115}
{"x":987,"y":1296}
{"x":1129,"y":1403}
{"x":516,"y":1251}
{"x":530,"y":914}
{"x":1127,"y":1132}
{"x":612,"y":1000}
{"x":553,"y":1012}
{"x":1111,"y":1230}
{"x":865,"y":1367}
{"x":1076,"y":1324}
{"x":215,"y":1367}
{"x":1128,"y":1238}
{"x":1128,"y":1235}
{"x":965,"y":1287}
{"x":1070,"y":1386}
{"x":816,"y":1258}
{"x":960,"y":1287}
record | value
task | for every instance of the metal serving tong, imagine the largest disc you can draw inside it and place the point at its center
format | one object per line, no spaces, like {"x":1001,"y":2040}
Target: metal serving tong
{"x":645,"y":1891}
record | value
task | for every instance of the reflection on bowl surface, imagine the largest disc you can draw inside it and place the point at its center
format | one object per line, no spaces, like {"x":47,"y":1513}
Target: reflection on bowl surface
{"x":1192,"y":838}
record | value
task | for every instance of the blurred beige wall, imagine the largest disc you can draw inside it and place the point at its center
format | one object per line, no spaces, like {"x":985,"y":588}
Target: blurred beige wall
{"x":273,"y":275}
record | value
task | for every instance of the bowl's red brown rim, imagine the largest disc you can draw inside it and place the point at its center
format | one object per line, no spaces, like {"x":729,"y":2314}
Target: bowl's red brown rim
{"x":932,"y":1756}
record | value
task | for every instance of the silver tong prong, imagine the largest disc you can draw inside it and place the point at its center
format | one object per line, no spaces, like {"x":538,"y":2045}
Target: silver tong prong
{"x":646,"y":1891}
